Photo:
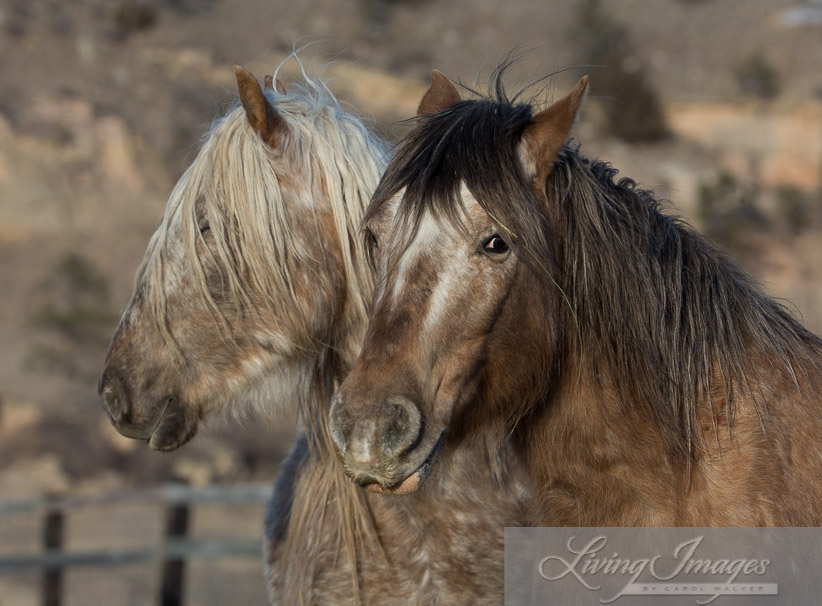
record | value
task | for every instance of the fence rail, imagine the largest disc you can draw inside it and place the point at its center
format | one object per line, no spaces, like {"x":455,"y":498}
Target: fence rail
{"x":168,"y":493}
{"x":171,"y":553}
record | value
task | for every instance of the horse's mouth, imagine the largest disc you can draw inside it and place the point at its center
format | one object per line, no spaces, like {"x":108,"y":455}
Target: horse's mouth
{"x":412,"y":482}
{"x":171,"y":429}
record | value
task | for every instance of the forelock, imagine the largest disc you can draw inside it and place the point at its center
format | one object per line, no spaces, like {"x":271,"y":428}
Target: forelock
{"x":474,"y":143}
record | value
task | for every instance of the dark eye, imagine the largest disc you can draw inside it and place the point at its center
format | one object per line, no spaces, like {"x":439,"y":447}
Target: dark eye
{"x":372,"y":239}
{"x":495,"y":245}
{"x":201,"y":214}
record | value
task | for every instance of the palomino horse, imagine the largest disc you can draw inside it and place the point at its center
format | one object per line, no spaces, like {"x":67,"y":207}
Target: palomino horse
{"x":524,"y":296}
{"x":252,"y":294}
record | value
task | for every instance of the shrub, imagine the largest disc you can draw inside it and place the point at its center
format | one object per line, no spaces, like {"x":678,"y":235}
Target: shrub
{"x":756,"y":76}
{"x":132,"y":16}
{"x":729,"y":212}
{"x":632,"y":109}
{"x":794,"y":207}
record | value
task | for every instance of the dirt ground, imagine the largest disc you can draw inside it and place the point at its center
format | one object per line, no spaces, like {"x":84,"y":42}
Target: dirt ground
{"x":102,"y":105}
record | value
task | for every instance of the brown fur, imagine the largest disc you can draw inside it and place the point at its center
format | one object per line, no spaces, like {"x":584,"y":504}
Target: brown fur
{"x":260,"y":114}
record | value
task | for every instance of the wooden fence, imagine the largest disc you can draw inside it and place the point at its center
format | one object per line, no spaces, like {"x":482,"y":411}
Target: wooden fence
{"x":171,"y":553}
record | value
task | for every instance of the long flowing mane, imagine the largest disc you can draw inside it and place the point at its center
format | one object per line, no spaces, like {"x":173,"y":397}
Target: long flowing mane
{"x":647,"y":303}
{"x":233,"y":183}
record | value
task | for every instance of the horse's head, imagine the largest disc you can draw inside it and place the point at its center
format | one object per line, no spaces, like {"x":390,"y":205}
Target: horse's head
{"x":251,"y":289}
{"x":458,"y":229}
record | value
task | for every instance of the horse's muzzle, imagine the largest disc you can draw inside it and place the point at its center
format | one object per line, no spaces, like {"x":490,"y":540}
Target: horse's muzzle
{"x":162,"y":423}
{"x":383,"y":446}
{"x":365,"y":434}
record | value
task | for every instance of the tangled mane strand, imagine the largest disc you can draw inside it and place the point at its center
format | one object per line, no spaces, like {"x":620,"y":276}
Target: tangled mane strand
{"x":651,"y":305}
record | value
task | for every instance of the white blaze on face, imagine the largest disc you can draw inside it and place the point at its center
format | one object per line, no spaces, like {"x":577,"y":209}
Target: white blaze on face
{"x":452,"y":274}
{"x":407,"y":260}
{"x":451,"y":253}
{"x":431,"y":238}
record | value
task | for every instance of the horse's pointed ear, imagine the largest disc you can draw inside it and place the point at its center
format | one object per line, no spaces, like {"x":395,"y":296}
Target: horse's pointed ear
{"x":260,"y":113}
{"x":549,"y":130}
{"x":271,"y":83}
{"x":441,"y":95}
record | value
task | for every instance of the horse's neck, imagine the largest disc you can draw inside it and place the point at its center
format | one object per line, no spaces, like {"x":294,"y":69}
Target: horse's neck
{"x":594,"y":460}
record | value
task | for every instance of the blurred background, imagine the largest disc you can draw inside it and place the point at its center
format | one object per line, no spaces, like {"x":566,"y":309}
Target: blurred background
{"x":714,"y":104}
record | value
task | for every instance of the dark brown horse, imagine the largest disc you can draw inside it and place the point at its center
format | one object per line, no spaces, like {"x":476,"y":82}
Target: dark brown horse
{"x":532,"y":308}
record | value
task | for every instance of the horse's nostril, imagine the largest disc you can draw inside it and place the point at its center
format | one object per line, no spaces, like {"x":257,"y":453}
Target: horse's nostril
{"x":368,"y":434}
{"x":396,"y":426}
{"x":114,"y":403}
{"x":401,"y":425}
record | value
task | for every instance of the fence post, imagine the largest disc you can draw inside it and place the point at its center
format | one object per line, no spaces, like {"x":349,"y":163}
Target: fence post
{"x":52,"y":579}
{"x":173,"y":573}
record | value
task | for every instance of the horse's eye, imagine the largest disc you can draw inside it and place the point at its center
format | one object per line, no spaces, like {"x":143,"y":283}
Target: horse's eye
{"x":201,"y":215}
{"x":372,"y":239}
{"x":495,"y":245}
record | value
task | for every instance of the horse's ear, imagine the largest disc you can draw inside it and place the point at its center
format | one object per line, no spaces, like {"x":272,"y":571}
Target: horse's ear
{"x":441,"y":95}
{"x":260,"y":113}
{"x":549,"y":130}
{"x":271,"y":83}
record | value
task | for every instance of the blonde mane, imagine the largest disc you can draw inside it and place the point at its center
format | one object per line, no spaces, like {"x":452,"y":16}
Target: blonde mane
{"x":234,"y":176}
